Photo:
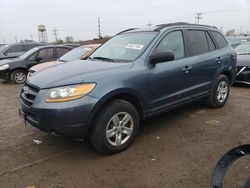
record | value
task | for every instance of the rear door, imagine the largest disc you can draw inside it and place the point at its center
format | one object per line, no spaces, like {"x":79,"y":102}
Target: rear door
{"x":203,"y":62}
{"x":60,"y":51}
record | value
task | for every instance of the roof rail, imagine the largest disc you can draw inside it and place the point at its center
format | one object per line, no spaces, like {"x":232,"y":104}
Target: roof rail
{"x":126,"y":30}
{"x":161,"y":26}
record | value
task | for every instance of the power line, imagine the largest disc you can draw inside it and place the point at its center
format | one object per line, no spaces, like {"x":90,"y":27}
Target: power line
{"x":55,"y":33}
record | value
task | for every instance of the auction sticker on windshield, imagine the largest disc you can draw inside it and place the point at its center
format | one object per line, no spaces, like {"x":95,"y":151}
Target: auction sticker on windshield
{"x":135,"y":46}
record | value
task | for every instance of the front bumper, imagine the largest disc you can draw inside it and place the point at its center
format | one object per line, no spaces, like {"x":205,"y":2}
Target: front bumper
{"x":70,"y":119}
{"x":5,"y":75}
{"x":243,"y":75}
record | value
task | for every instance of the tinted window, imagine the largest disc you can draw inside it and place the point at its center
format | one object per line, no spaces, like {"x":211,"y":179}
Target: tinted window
{"x":61,"y":51}
{"x":16,"y":48}
{"x":173,"y":42}
{"x":46,"y":54}
{"x":220,"y":40}
{"x":198,"y":42}
{"x":27,"y":47}
{"x":210,"y":42}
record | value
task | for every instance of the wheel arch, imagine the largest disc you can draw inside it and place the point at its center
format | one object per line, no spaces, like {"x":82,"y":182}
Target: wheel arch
{"x":127,"y":95}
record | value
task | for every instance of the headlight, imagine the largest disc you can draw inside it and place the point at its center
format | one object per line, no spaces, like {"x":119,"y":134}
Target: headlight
{"x":69,"y":93}
{"x":4,"y":67}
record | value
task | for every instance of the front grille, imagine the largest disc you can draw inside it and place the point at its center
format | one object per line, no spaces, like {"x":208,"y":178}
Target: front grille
{"x":28,"y":94}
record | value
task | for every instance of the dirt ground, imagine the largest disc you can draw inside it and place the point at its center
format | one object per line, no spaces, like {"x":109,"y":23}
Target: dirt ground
{"x":176,"y":149}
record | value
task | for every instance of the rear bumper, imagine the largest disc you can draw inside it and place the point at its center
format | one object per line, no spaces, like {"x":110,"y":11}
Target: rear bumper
{"x":69,"y":119}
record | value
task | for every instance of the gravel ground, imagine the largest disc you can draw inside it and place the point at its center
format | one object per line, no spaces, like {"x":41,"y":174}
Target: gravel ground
{"x":176,"y":149}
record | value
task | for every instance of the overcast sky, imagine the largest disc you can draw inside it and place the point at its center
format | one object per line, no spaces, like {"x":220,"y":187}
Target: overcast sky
{"x":78,"y":18}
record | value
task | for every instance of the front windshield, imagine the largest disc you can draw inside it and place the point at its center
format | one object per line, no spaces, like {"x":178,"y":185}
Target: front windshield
{"x":124,"y":47}
{"x":75,"y":54}
{"x":2,"y":48}
{"x":243,"y":49}
{"x":28,"y":53}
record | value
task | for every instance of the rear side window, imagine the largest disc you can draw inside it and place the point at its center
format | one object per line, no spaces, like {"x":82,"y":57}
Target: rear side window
{"x":13,"y":49}
{"x":61,"y":51}
{"x":172,"y":42}
{"x":46,"y":53}
{"x":210,"y":42}
{"x":198,"y":42}
{"x":220,"y":39}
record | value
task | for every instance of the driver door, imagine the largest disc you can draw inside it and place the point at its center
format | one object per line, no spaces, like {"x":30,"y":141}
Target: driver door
{"x":169,"y":80}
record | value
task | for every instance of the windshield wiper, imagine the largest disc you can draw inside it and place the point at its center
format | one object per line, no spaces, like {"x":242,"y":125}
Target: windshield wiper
{"x":104,"y":59}
{"x":247,"y":53}
{"x":62,"y":60}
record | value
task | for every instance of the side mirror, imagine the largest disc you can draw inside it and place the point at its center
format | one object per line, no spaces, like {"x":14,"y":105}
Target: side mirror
{"x":162,"y":57}
{"x":38,"y":59}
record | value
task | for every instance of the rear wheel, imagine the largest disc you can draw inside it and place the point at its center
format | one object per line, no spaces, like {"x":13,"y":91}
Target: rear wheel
{"x":219,"y":92}
{"x":115,"y":127}
{"x":18,"y":76}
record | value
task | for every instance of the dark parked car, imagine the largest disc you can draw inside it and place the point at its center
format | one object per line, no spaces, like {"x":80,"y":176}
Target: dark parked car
{"x":17,"y":49}
{"x":243,"y":63}
{"x":16,"y":69}
{"x":137,"y":74}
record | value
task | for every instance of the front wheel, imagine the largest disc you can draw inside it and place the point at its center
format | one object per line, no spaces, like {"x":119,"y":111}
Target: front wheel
{"x":219,"y":92}
{"x":115,"y":127}
{"x":18,"y":76}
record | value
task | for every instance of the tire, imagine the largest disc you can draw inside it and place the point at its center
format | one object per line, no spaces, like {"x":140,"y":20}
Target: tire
{"x":18,"y":76}
{"x":219,"y":92}
{"x":109,"y":135}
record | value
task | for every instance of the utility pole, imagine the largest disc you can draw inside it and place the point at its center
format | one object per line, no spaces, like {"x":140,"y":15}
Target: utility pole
{"x":99,"y":28}
{"x":55,"y":33}
{"x":149,"y":24}
{"x":15,"y":38}
{"x":198,"y":17}
{"x":31,"y":36}
{"x":3,"y":41}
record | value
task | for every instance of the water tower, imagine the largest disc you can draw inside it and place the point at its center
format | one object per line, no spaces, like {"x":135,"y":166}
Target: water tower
{"x":42,"y":34}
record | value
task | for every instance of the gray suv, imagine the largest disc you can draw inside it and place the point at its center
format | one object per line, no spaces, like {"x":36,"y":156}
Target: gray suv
{"x":135,"y":75}
{"x":17,"y":49}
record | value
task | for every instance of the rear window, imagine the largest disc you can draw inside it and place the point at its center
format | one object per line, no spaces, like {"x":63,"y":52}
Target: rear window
{"x":220,"y":39}
{"x":198,"y":42}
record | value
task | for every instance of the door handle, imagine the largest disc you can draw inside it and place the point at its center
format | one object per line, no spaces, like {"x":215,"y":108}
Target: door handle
{"x":219,"y":60}
{"x":187,"y":69}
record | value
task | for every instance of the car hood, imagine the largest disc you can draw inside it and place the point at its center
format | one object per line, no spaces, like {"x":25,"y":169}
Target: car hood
{"x":73,"y":73}
{"x":8,"y":61}
{"x":243,"y":60}
{"x":43,"y":66}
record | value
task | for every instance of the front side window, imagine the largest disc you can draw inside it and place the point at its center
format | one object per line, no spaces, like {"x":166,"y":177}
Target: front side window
{"x":220,"y":40}
{"x":45,"y":54}
{"x":198,"y":42}
{"x":124,"y":47}
{"x":173,"y":42}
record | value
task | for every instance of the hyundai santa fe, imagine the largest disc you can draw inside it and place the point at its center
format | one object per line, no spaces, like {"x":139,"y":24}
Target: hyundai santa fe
{"x":135,"y":75}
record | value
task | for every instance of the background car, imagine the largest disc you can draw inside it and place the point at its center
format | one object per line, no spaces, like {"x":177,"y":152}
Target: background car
{"x":243,"y":63}
{"x":75,"y":54}
{"x":71,"y":45}
{"x":17,"y":49}
{"x":16,"y":69}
